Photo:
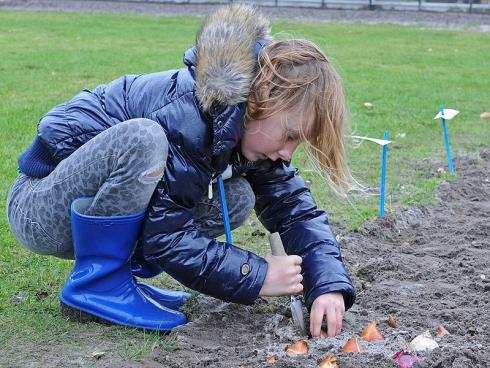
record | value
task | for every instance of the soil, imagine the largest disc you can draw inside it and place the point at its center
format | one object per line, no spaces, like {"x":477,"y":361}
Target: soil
{"x":479,"y":22}
{"x":424,"y":266}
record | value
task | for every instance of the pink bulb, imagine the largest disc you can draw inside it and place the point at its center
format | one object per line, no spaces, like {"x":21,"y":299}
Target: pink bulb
{"x":405,"y":359}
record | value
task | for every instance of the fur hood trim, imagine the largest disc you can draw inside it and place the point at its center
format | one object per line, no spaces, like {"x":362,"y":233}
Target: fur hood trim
{"x":225,"y":57}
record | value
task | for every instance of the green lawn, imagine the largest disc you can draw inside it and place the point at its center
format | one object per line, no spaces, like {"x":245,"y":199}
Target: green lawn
{"x":405,"y":72}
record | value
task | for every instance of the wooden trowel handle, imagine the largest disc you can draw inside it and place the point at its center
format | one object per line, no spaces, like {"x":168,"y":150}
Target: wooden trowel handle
{"x":276,"y":245}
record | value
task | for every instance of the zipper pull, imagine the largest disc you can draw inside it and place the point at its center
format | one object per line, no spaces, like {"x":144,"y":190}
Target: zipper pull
{"x":210,"y":189}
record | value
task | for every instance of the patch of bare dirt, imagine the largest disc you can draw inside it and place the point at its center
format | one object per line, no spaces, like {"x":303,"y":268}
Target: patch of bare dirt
{"x":424,"y":266}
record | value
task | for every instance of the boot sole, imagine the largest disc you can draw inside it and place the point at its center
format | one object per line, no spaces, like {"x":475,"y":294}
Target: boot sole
{"x":81,"y":316}
{"x":84,"y":317}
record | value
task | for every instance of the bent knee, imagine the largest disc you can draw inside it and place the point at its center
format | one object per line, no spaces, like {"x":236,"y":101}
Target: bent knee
{"x":153,"y":174}
{"x":242,"y":200}
{"x":149,"y":135}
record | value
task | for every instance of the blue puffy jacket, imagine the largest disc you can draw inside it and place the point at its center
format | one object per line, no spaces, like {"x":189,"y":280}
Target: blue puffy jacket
{"x":201,"y":108}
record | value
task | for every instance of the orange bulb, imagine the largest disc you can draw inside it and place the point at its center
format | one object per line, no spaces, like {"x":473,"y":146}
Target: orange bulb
{"x":300,"y":347}
{"x":371,"y":332}
{"x":392,"y":322}
{"x":441,"y":331}
{"x":329,"y":362}
{"x":352,"y":346}
{"x":272,"y":359}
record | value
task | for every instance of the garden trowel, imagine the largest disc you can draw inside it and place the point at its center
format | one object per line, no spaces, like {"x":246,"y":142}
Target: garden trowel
{"x":296,"y":305}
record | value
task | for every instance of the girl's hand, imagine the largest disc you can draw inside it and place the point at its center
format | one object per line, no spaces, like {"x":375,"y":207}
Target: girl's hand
{"x":332,"y":306}
{"x":283,"y":276}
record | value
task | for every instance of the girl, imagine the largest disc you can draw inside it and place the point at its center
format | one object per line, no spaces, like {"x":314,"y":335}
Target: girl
{"x":120,"y":178}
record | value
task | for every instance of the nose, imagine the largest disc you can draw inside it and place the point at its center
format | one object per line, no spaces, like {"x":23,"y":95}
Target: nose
{"x":286,"y":152}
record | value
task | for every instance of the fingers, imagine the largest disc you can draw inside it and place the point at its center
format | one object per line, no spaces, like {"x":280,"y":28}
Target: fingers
{"x":316,"y":318}
{"x":340,"y":317}
{"x":297,"y":260}
{"x":298,"y":289}
{"x":298,"y":279}
{"x":332,"y":324}
{"x":334,"y":320}
{"x":296,"y":282}
{"x":283,"y":276}
{"x":287,"y":260}
{"x":295,"y":276}
{"x":332,"y":307}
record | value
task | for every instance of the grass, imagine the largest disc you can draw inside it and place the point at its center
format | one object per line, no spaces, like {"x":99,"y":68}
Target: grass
{"x":405,"y":72}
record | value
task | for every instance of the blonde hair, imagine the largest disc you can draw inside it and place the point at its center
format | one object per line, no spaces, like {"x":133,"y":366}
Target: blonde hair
{"x":296,"y":76}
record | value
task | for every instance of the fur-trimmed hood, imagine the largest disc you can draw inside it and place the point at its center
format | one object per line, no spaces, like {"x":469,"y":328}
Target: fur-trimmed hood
{"x":226,"y":56}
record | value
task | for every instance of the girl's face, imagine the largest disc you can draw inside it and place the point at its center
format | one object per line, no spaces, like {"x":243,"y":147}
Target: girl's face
{"x":275,"y":137}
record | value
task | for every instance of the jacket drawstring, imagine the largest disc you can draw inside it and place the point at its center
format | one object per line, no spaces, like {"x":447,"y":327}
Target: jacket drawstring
{"x":224,"y":210}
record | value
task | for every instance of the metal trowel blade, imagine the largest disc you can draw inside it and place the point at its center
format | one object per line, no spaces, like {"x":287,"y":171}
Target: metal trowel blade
{"x":297,"y":313}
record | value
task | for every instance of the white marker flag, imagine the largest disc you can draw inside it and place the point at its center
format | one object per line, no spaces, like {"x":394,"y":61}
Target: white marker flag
{"x":448,"y":114}
{"x":381,"y":142}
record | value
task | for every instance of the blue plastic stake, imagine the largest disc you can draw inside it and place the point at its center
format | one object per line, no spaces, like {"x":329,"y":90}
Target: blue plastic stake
{"x":383,"y":177}
{"x":446,"y":139}
{"x":224,"y":209}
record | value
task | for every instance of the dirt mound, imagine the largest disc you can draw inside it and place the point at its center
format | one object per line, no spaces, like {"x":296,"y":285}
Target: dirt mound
{"x":424,"y":266}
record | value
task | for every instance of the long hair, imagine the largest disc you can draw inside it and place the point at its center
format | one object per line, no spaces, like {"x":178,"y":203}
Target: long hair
{"x":295,"y":76}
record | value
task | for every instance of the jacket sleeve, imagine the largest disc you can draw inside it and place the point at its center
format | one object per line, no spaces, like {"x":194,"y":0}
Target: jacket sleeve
{"x":284,"y":204}
{"x":172,"y":240}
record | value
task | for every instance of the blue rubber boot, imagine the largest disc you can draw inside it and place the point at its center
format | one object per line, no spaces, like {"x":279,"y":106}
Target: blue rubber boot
{"x":101,"y":286}
{"x":172,"y":299}
{"x":142,"y":268}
